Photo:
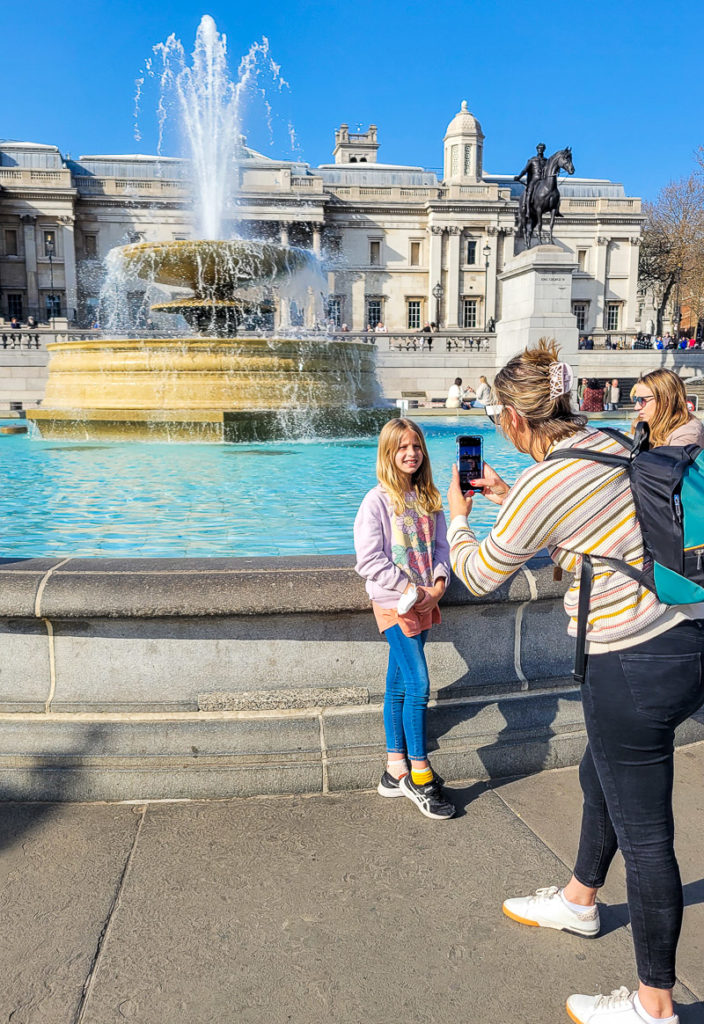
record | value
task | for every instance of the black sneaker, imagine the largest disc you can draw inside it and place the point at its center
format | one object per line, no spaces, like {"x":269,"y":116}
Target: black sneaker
{"x":389,"y":786}
{"x":430,"y":799}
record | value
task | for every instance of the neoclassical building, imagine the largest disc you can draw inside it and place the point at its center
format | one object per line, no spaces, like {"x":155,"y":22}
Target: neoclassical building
{"x":399,"y":243}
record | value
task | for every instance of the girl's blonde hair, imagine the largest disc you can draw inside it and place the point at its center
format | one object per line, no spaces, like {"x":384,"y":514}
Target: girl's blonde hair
{"x":671,"y":409}
{"x":389,"y":476}
{"x":524,"y":384}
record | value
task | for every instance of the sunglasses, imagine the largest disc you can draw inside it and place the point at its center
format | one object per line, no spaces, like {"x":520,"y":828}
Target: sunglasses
{"x":494,"y":413}
{"x":640,"y":400}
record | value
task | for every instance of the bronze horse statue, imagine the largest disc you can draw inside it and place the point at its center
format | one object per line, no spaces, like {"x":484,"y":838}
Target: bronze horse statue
{"x":544,"y":198}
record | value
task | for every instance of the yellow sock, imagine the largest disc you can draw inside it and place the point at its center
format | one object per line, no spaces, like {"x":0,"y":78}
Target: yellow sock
{"x":422,"y":777}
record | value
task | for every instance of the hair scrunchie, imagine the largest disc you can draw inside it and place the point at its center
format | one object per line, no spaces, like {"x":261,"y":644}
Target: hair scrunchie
{"x":561,"y":379}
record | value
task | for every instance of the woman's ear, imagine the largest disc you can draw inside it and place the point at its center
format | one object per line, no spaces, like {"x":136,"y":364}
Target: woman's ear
{"x":514,"y":419}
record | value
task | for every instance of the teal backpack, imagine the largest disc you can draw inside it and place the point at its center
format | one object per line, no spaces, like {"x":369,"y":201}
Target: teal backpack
{"x":668,"y":492}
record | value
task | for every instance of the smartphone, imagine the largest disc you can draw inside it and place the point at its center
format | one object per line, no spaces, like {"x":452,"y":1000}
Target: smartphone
{"x":470,"y":460}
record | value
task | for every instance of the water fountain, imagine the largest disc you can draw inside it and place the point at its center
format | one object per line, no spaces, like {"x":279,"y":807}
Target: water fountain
{"x":212,"y":385}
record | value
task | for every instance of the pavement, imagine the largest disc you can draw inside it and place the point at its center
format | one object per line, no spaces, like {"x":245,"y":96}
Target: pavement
{"x":340,"y":908}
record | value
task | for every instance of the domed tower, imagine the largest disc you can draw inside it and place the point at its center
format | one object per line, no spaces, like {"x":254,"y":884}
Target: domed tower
{"x":464,"y":144}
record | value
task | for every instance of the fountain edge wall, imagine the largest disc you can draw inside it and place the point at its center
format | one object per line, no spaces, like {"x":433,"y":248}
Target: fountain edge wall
{"x":175,"y":678}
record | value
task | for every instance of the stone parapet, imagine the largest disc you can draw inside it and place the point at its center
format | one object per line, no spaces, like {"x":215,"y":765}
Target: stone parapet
{"x":173,"y":678}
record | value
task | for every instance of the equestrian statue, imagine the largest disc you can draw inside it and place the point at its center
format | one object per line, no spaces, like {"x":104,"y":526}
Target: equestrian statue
{"x":542,"y":194}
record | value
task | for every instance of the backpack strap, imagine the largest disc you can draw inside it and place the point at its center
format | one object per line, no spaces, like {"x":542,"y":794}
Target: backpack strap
{"x":618,"y":461}
{"x":585,"y":589}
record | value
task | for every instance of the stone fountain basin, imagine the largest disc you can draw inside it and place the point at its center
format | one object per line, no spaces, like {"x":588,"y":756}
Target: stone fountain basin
{"x":212,"y":267}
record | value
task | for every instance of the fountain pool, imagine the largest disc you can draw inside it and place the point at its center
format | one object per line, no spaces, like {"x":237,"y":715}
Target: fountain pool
{"x":142,"y":500}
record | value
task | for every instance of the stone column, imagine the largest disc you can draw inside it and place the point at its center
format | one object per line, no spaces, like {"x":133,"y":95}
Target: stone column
{"x":30,"y":261}
{"x":434,"y":267}
{"x":309,"y":311}
{"x":602,"y":258}
{"x":452,"y":293}
{"x":284,"y":225}
{"x":69,"y":254}
{"x":317,"y":239}
{"x":358,"y":311}
{"x":630,"y":313}
{"x":490,"y":274}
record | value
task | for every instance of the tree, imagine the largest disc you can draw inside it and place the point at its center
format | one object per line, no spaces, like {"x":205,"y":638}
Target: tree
{"x":672,"y":246}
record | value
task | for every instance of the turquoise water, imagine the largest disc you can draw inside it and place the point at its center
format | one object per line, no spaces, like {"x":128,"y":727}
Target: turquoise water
{"x":134,"y":500}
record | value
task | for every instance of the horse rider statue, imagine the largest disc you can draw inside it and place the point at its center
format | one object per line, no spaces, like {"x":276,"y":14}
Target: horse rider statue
{"x":541,"y":194}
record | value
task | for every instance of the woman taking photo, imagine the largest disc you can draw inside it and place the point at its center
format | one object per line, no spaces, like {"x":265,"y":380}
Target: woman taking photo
{"x":660,"y":399}
{"x":644,"y":671}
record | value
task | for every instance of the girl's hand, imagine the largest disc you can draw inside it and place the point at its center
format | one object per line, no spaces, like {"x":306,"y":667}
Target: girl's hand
{"x":460,"y":504}
{"x":429,"y":596}
{"x":491,"y":485}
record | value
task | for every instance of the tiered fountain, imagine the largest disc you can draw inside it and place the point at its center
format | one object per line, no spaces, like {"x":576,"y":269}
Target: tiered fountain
{"x":213,"y":386}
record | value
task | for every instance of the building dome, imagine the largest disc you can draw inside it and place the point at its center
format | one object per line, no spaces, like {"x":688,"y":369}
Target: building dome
{"x":463,"y":123}
{"x":463,"y":146}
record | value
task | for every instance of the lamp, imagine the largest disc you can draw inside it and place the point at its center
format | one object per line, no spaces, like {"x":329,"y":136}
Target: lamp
{"x":49,"y":251}
{"x":487,"y":253}
{"x":438,"y":292}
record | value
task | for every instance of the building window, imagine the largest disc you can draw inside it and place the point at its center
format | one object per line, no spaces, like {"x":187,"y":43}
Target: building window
{"x":468,"y":160}
{"x":50,"y":243}
{"x":415,"y":254}
{"x":612,"y":310}
{"x":10,"y":242}
{"x":14,"y":306}
{"x":53,"y":306}
{"x":373,"y":312}
{"x":471,"y":251}
{"x":295,"y":313}
{"x":414,"y":311}
{"x":335,"y":311}
{"x":582,"y":260}
{"x":469,"y":312}
{"x":374,"y":253}
{"x":90,"y":246}
{"x":580,"y":311}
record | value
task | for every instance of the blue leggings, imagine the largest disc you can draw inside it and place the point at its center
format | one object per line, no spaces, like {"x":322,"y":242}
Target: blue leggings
{"x":407,"y":692}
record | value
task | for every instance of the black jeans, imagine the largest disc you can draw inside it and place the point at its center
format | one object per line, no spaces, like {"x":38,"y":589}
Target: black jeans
{"x":633,"y":700}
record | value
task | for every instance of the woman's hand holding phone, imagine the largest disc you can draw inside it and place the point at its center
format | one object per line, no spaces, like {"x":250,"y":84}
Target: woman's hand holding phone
{"x":492,"y":486}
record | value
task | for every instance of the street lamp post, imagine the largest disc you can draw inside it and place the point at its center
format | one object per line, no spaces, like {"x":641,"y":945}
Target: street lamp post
{"x":49,"y":250}
{"x":487,"y":253}
{"x":438,"y":292}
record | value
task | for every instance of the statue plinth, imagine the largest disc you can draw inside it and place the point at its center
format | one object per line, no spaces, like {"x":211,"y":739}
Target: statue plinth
{"x":537,"y":302}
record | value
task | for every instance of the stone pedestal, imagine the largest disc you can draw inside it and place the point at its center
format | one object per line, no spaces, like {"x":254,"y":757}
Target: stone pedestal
{"x":537,"y":302}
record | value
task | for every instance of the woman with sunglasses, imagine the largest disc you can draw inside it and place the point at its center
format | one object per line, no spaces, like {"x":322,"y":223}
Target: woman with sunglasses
{"x":644,"y":670}
{"x":661,"y":402}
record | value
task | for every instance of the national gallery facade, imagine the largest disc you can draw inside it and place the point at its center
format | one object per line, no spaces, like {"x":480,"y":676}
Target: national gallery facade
{"x":400,"y":244}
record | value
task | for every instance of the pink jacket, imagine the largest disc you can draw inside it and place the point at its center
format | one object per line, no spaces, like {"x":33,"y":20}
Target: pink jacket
{"x":385,"y":581}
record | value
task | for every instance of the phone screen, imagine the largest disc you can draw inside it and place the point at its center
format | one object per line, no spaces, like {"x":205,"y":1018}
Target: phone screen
{"x":470,"y":461}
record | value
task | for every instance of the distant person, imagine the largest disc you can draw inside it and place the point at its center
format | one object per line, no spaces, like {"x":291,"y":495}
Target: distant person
{"x":491,"y":326}
{"x":32,"y":322}
{"x":344,"y":329}
{"x":593,"y":397}
{"x":483,"y":392}
{"x":455,"y":395}
{"x":380,"y":329}
{"x":589,"y":343}
{"x":14,"y":323}
{"x":401,"y":546}
{"x":580,"y":391}
{"x":660,"y":399}
{"x":612,"y":395}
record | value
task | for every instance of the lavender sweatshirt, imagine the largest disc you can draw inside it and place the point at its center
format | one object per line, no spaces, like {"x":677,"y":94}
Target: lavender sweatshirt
{"x":385,"y":581}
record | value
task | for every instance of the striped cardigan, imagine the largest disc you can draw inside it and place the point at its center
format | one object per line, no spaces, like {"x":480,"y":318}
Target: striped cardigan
{"x":572,"y":507}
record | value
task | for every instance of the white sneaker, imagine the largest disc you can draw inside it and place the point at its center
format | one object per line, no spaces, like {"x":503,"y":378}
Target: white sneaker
{"x":547,"y":909}
{"x":618,"y":1008}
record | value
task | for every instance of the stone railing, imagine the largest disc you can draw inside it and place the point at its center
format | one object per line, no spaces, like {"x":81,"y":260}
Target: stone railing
{"x":390,"y":193}
{"x":14,"y":177}
{"x":127,"y":186}
{"x":419,"y":341}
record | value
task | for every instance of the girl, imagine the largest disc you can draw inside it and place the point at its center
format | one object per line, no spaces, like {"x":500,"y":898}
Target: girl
{"x":660,"y":399}
{"x":401,"y":546}
{"x":644,"y":672}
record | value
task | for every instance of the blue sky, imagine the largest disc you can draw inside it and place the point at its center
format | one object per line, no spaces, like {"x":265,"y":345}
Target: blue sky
{"x":609,"y":79}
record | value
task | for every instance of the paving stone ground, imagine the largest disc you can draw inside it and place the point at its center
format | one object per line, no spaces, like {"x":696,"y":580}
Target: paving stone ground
{"x":303,"y":910}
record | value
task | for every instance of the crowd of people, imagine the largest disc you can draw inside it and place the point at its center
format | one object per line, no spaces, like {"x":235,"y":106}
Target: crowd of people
{"x":644,"y":341}
{"x":644,"y":659}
